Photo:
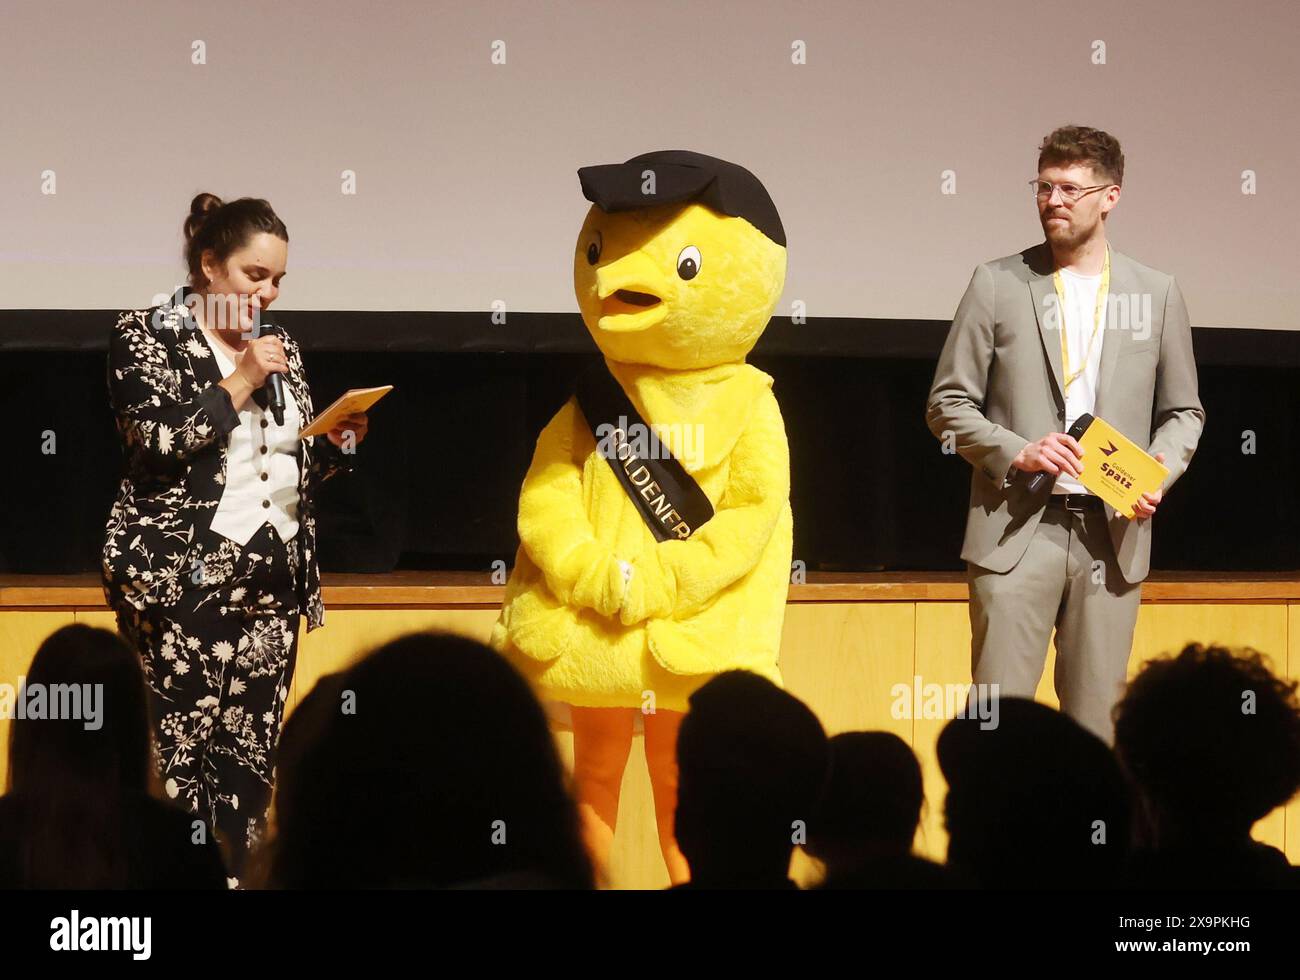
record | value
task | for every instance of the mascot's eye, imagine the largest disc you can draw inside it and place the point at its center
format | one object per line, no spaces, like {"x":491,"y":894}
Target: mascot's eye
{"x":593,"y":250}
{"x":688,"y":263}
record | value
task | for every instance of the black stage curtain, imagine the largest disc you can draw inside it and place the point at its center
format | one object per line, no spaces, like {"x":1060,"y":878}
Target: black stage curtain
{"x":438,"y":476}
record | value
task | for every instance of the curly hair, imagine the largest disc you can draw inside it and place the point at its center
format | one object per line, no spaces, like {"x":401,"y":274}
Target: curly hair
{"x":1211,"y":736}
{"x":1082,"y":144}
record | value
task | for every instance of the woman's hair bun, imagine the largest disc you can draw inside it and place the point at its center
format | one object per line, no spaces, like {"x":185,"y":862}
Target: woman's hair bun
{"x":200,"y":208}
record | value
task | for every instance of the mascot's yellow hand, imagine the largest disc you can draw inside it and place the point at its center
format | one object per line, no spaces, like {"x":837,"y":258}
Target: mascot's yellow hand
{"x":651,"y":592}
{"x":599,"y":584}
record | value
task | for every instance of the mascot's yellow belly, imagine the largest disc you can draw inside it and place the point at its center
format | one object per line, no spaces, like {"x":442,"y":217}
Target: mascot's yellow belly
{"x":581,"y":657}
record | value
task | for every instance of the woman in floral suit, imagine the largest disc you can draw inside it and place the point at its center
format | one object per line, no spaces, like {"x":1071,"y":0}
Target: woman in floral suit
{"x":210,"y":554}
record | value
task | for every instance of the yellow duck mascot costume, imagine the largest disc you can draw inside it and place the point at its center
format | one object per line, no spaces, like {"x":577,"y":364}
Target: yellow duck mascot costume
{"x":654,"y":521}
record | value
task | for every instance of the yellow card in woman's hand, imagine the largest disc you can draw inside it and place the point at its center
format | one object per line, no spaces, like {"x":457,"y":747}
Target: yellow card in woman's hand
{"x":352,"y":400}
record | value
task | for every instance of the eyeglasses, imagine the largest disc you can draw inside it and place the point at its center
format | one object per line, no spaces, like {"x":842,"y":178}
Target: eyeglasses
{"x":1069,"y":192}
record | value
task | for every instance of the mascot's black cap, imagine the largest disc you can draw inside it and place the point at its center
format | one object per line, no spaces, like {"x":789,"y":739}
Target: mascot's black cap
{"x":681,"y":175}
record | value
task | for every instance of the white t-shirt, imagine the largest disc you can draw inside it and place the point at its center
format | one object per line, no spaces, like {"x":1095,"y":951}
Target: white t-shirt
{"x":261,"y":468}
{"x":1080,"y":317}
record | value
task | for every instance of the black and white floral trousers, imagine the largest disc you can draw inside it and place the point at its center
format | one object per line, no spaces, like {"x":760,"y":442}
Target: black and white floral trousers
{"x":218,"y":663}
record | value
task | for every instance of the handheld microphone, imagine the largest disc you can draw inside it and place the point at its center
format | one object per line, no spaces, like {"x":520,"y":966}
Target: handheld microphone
{"x":274,"y":382}
{"x":1076,"y":432}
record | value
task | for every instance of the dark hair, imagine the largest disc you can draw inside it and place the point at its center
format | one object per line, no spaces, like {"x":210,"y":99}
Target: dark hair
{"x":1197,"y":757}
{"x":1027,"y":797}
{"x":225,"y":228}
{"x":78,"y":787}
{"x":1081,"y":144}
{"x":428,"y":764}
{"x":873,"y":792}
{"x":752,"y":759}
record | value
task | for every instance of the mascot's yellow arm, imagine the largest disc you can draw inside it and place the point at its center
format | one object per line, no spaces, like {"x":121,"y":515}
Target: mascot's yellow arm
{"x":671,"y":578}
{"x":554,"y":527}
{"x":677,"y":577}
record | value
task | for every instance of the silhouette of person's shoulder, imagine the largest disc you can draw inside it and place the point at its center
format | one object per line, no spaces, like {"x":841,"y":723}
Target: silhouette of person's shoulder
{"x":170,"y":851}
{"x":782,"y":884}
{"x":522,"y":880}
{"x":10,"y":835}
{"x":166,"y":850}
{"x":1253,"y":865}
{"x":899,"y":872}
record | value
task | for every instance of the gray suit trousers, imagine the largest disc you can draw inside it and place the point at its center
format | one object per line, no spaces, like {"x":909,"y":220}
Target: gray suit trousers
{"x":1067,"y":580}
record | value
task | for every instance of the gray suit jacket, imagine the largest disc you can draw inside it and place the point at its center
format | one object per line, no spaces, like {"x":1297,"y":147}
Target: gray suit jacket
{"x":998,"y":386}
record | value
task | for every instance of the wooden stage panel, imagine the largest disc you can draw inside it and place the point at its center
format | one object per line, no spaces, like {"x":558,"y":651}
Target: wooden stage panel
{"x":1292,"y":821}
{"x":842,"y":658}
{"x":942,"y":657}
{"x":349,"y":634}
{"x":849,"y":642}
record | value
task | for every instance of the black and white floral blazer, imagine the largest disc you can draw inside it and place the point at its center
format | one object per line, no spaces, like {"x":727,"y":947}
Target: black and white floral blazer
{"x":173,"y":419}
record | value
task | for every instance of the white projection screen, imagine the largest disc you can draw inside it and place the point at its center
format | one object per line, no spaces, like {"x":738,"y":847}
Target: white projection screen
{"x":464,"y":124}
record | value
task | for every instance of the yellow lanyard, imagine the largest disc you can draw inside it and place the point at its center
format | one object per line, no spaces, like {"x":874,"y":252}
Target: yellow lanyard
{"x":1096,"y":319}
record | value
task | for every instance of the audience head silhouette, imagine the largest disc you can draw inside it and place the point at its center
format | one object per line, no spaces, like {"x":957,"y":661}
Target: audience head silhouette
{"x":1211,"y":742}
{"x":751,"y":765}
{"x":427,"y":764}
{"x":868,"y":816}
{"x":873,"y":797}
{"x":72,"y":781}
{"x":108,"y":754}
{"x":1035,"y":802}
{"x":78,"y":813}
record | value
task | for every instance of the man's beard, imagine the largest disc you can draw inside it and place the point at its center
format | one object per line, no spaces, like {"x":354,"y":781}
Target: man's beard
{"x":1069,"y":235}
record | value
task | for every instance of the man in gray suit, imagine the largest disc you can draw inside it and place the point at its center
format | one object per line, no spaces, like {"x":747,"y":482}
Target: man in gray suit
{"x":1066,"y":327}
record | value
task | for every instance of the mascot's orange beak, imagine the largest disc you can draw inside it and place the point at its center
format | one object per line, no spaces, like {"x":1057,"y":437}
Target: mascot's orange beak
{"x":631,"y":291}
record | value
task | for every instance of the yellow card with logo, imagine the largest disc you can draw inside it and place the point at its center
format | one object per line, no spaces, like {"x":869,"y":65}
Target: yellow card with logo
{"x":1115,"y":469}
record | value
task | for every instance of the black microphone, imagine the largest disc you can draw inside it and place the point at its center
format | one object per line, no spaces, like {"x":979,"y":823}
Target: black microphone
{"x":1076,"y":432}
{"x":274,"y":382}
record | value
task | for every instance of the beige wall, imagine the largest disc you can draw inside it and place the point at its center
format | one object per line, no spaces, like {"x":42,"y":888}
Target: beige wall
{"x":465,"y":170}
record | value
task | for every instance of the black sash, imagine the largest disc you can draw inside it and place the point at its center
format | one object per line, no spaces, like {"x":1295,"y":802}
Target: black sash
{"x":667,"y":497}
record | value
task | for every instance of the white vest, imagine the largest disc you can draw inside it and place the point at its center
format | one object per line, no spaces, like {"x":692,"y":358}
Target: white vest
{"x":261,"y":468}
